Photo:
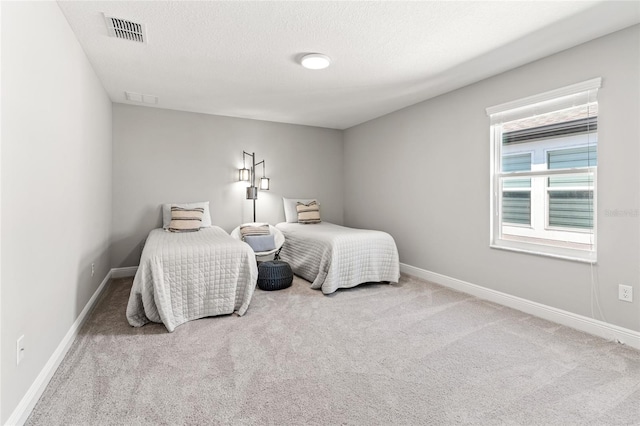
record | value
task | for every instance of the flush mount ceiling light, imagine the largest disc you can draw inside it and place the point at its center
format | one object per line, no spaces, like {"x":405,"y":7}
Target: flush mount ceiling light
{"x":315,"y":61}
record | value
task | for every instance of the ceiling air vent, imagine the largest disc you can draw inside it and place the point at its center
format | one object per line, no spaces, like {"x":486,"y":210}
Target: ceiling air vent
{"x":127,"y":30}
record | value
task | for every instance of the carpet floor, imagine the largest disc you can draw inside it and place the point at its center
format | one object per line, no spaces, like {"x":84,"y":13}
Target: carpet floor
{"x":410,"y":353}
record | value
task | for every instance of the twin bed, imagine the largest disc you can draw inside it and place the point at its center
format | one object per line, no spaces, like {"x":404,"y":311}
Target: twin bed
{"x":331,"y":256}
{"x":191,"y":275}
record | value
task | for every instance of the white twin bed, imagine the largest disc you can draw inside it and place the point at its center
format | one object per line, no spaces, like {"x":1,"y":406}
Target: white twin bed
{"x":189,"y":275}
{"x":332,"y":256}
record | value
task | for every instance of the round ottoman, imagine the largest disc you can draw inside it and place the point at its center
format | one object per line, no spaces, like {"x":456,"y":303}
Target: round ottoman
{"x":274,"y":275}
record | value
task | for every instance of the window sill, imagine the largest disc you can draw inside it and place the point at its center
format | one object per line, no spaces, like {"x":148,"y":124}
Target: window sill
{"x":584,"y":257}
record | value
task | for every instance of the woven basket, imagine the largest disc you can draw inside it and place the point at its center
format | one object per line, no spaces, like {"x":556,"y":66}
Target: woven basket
{"x":274,"y":275}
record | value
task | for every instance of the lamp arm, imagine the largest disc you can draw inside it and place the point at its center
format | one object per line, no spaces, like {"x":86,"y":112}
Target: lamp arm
{"x":253,"y":168}
{"x":263,"y":164}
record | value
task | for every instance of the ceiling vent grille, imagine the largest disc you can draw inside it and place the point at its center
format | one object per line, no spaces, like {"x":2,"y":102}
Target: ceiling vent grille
{"x":126,"y":30}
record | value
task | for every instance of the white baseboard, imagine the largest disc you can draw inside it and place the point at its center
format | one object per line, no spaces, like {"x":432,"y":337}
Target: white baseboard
{"x":24,"y":408}
{"x":579,"y":322}
{"x":129,"y":271}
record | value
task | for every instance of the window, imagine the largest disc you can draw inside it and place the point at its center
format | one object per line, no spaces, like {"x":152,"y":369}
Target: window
{"x":543,"y":174}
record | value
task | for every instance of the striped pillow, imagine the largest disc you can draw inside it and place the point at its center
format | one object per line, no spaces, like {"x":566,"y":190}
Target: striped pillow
{"x":308,"y":213}
{"x":185,"y":219}
{"x":254,"y":230}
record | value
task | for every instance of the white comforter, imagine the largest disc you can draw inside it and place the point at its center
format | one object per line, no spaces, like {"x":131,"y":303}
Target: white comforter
{"x":333,"y":256}
{"x":185,"y":276}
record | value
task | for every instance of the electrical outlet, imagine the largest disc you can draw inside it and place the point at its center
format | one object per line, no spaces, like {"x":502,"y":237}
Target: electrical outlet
{"x":19,"y":349}
{"x":625,"y":292}
{"x":93,"y":269}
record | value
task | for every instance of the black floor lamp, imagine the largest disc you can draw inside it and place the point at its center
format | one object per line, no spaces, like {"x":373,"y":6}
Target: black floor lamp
{"x":249,"y":175}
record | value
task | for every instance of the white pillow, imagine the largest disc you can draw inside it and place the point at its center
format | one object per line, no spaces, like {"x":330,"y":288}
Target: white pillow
{"x":206,"y":217}
{"x":290,"y":211}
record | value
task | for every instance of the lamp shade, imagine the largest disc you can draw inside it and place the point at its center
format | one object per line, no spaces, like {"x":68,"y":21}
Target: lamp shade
{"x":264,"y":183}
{"x":243,"y":174}
{"x":252,"y":193}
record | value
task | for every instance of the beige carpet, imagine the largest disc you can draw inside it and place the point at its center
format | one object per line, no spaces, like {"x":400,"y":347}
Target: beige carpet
{"x":412,"y":353}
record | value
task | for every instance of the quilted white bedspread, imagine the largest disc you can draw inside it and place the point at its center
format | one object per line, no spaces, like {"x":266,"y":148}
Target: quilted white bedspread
{"x":190,"y":275}
{"x":332,"y":256}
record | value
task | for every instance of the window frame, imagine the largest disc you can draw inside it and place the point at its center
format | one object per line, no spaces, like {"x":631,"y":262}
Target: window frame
{"x":497,"y":176}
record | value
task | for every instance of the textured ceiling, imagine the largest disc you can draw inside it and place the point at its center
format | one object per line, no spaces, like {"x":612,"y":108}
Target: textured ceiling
{"x":241,"y":58}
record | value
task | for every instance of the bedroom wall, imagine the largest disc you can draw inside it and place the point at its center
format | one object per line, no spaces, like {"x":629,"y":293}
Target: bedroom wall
{"x":165,"y":156}
{"x":431,"y":178}
{"x":56,"y":188}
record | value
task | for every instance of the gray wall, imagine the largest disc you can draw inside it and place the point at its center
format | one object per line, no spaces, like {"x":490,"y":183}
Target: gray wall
{"x":164,"y":156}
{"x":422,"y":173}
{"x":56,"y":188}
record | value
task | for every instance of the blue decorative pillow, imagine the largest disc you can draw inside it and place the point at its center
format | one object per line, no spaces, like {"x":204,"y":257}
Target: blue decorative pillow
{"x":260,"y":242}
